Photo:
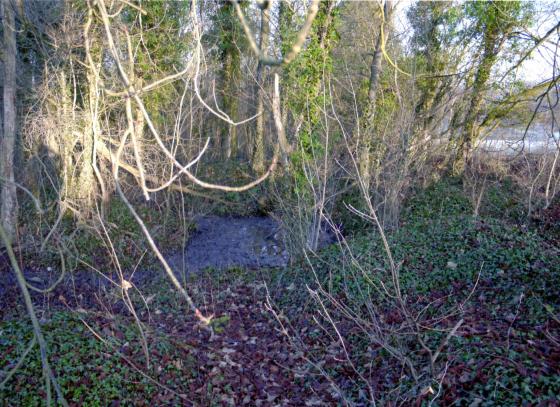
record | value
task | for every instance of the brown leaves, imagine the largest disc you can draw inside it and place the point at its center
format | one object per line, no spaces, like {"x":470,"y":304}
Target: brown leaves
{"x":249,"y":362}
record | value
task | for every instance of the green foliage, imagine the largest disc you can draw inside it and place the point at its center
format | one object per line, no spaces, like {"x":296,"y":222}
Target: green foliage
{"x":306,"y":73}
{"x":435,"y":25}
{"x":436,"y":31}
{"x":499,"y":16}
{"x":219,"y":324}
{"x":494,"y":23}
{"x":303,"y":94}
{"x":444,"y":251}
{"x":508,"y":383}
{"x":228,"y":43}
{"x":437,"y":228}
{"x":227,"y":34}
{"x":89,"y":371}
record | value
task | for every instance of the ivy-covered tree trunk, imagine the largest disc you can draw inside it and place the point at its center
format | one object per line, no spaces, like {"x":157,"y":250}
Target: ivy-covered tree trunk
{"x":368,"y":129}
{"x":436,"y":60}
{"x":259,"y":142}
{"x":8,"y":140}
{"x":304,"y":97}
{"x":231,"y":42}
{"x":470,"y":127}
{"x":313,"y":63}
{"x":285,"y":27}
{"x":230,"y":104}
{"x":496,"y":20}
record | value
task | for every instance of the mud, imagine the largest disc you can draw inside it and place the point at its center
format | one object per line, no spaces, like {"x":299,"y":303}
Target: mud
{"x":248,"y":242}
{"x":218,"y":242}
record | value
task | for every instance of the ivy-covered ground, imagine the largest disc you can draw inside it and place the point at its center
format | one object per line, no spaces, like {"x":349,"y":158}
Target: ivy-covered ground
{"x":499,"y":272}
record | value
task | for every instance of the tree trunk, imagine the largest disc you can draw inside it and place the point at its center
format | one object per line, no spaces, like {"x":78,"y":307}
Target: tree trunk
{"x":62,"y":144}
{"x":375,"y":70}
{"x":285,"y":18}
{"x":230,"y":105}
{"x":259,"y":147}
{"x":8,"y":212}
{"x":82,"y":188}
{"x":326,"y":9}
{"x":86,"y":182}
{"x":470,"y":131}
{"x":230,"y":56}
{"x":369,"y":113}
{"x":430,"y":88}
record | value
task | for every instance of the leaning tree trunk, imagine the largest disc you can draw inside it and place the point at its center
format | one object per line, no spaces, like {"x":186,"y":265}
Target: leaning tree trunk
{"x":493,"y":41}
{"x":8,"y":212}
{"x":259,"y":148}
{"x":470,"y":131}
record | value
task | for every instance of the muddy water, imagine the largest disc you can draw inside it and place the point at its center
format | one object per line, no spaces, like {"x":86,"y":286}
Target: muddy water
{"x":221,"y":242}
{"x":218,"y":242}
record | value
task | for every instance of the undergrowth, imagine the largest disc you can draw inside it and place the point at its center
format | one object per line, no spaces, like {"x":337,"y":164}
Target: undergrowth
{"x":504,"y":275}
{"x":91,"y":371}
{"x":502,"y":271}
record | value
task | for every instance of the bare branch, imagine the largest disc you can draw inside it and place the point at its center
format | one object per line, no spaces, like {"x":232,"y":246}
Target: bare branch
{"x":296,"y":47}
